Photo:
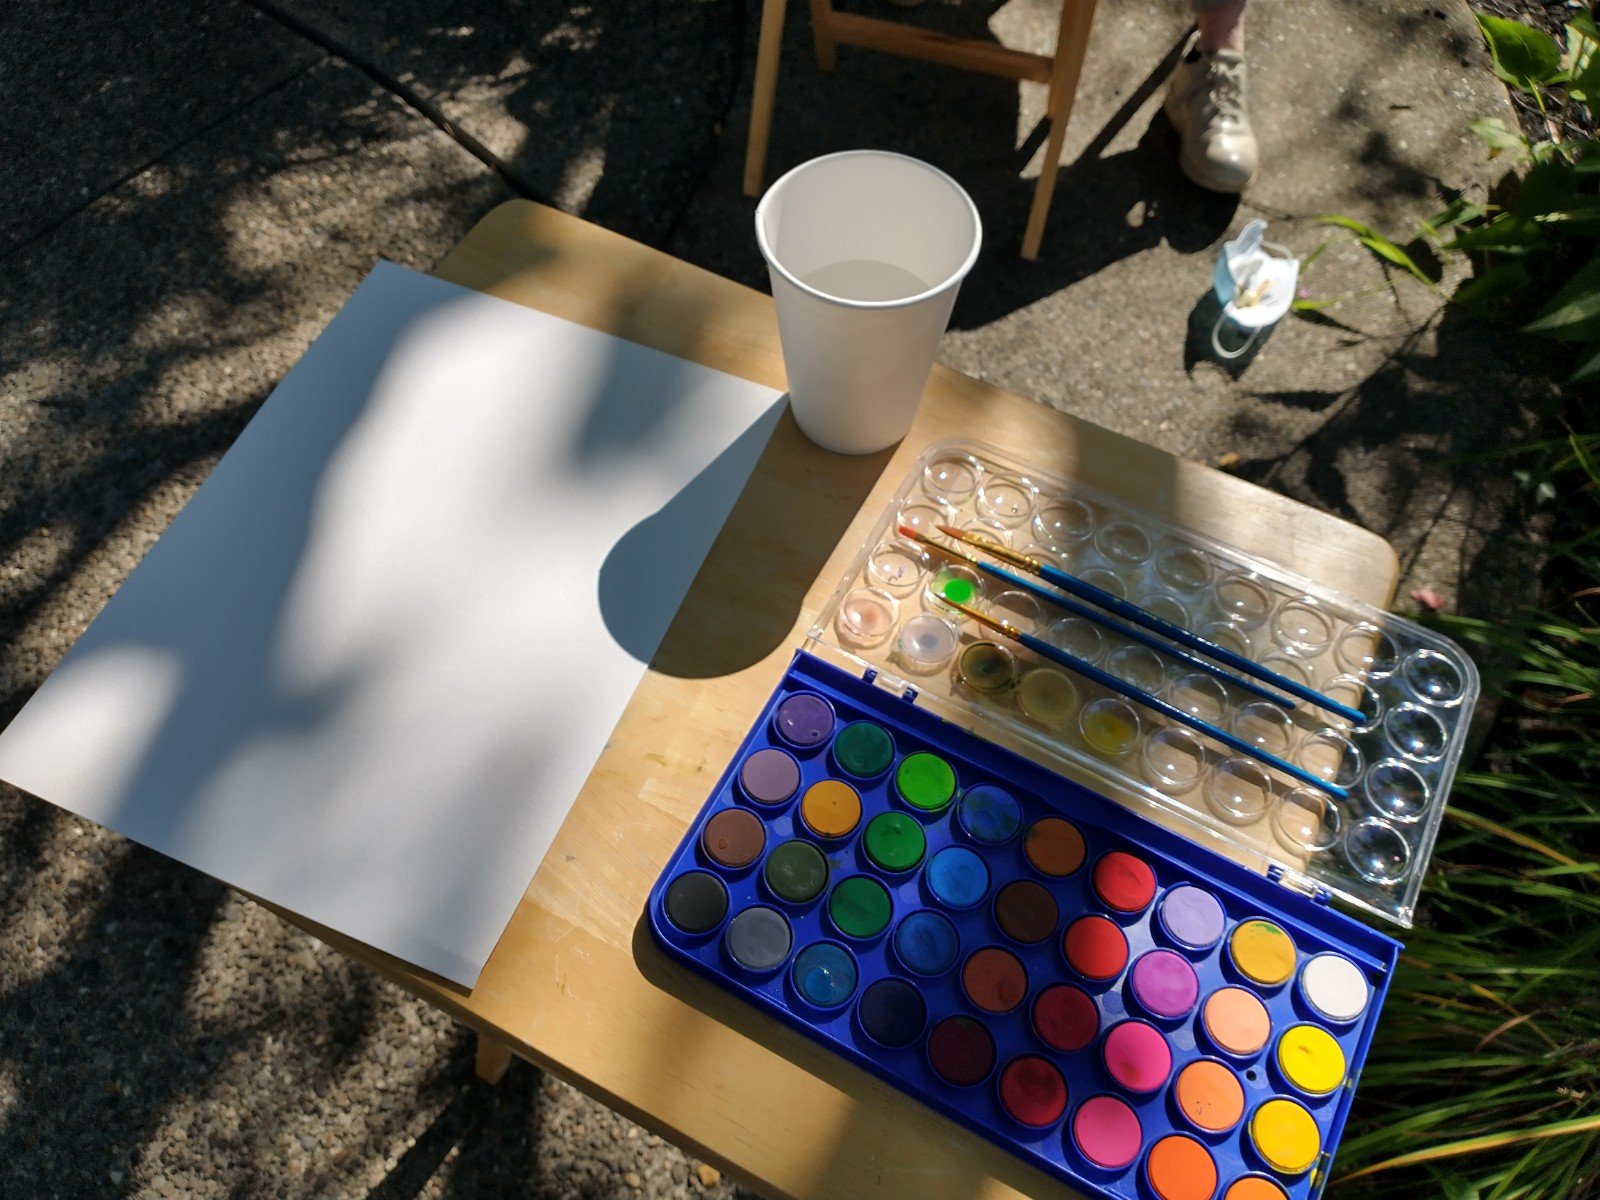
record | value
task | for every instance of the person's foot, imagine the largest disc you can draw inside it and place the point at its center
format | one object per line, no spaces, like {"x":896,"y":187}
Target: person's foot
{"x":1207,"y":105}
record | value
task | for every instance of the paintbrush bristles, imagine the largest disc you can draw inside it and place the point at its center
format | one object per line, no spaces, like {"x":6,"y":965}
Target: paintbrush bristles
{"x":923,"y":539}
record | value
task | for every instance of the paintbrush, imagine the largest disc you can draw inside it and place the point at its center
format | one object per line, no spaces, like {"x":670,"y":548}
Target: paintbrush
{"x":1132,"y":612}
{"x":1050,"y":596}
{"x":1123,"y":688}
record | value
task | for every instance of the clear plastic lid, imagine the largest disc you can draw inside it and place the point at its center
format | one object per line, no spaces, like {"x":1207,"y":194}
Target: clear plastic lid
{"x":1415,"y":689}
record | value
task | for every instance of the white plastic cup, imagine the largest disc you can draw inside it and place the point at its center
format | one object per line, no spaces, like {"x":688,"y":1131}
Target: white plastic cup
{"x":866,"y":251}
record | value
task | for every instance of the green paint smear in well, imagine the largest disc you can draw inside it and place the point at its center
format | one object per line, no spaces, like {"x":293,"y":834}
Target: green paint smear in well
{"x":863,"y":749}
{"x":926,"y":781}
{"x":860,"y":907}
{"x":958,"y":591}
{"x":895,"y":841}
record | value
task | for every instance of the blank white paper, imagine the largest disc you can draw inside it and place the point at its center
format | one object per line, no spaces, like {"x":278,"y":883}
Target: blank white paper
{"x":368,"y":667}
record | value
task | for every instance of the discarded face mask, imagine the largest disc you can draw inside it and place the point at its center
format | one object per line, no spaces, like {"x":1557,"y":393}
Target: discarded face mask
{"x":1254,"y":281}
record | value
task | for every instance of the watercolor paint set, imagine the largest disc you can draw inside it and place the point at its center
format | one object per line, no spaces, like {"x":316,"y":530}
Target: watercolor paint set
{"x":1062,"y":920}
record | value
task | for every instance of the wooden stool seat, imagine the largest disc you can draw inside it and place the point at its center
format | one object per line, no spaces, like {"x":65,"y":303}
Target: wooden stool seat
{"x":831,"y":29}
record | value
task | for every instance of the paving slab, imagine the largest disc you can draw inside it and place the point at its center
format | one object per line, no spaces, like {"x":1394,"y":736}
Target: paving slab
{"x":1361,"y":110}
{"x":608,"y":109}
{"x":92,"y":94}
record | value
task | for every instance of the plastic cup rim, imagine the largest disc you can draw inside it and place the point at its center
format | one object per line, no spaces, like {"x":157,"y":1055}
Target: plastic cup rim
{"x":951,"y":280}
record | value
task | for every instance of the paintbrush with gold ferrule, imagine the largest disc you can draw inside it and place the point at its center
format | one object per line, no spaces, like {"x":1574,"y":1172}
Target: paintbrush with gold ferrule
{"x":1133,"y":634}
{"x":1137,"y":694}
{"x":1132,"y":612}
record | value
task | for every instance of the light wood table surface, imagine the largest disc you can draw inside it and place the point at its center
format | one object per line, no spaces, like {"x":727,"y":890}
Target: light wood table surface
{"x":575,"y":984}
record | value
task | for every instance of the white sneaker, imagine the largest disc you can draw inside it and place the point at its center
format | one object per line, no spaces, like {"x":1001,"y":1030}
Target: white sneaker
{"x":1206,"y":103}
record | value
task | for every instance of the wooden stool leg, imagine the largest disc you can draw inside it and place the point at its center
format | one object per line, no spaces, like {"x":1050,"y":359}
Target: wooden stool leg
{"x":493,"y":1059}
{"x":766,"y":88}
{"x":1077,"y":16}
{"x":822,"y":34}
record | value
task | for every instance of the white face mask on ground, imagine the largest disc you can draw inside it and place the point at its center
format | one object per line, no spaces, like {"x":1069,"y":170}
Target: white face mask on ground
{"x":1254,"y":281}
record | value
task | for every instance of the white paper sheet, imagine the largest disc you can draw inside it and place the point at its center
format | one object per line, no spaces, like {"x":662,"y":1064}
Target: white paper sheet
{"x":368,"y":667}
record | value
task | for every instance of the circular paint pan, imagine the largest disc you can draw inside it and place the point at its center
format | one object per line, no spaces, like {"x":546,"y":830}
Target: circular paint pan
{"x":734,"y":838}
{"x":860,"y":907}
{"x":952,"y":583}
{"x":925,"y":781}
{"x":1180,"y":1168}
{"x":1065,"y":1018}
{"x":831,"y":809}
{"x":989,"y":814}
{"x":1416,"y":733}
{"x":1007,"y":499}
{"x":1173,"y":759}
{"x":824,"y":974}
{"x":1262,"y":952}
{"x":1140,"y":666}
{"x":1026,"y":911}
{"x":1164,"y":984}
{"x":1096,"y":948}
{"x":769,"y":777}
{"x":961,"y":1051}
{"x":1434,"y":678}
{"x":1396,"y":791}
{"x":1238,"y":791}
{"x":1169,"y":608}
{"x":758,"y":939}
{"x":926,"y":643}
{"x":1106,"y":1132}
{"x":952,"y":477}
{"x":1378,"y":851}
{"x":1054,"y":847}
{"x":957,"y":877}
{"x":1124,"y":883}
{"x":1235,"y":1022}
{"x":1242,"y":599}
{"x":804,"y":720}
{"x":1078,"y":637}
{"x":1334,"y":988}
{"x":1137,"y":1057}
{"x":1018,"y":609}
{"x":1122,"y":542}
{"x":926,"y":943}
{"x":1110,"y":726}
{"x":866,"y":617}
{"x":1331,"y":757}
{"x":1209,"y":1095}
{"x":1033,"y":1091}
{"x":994,"y":980}
{"x":1254,"y":1187}
{"x":695,"y":902}
{"x":1310,"y":1060}
{"x":1201,"y":696}
{"x":1047,"y":696}
{"x":1191,"y":917}
{"x":894,"y":841}
{"x":897,"y":567}
{"x":1063,"y":522}
{"x":1366,"y":651}
{"x":1286,"y":1136}
{"x":1183,"y":567}
{"x":863,"y":749}
{"x":1099,"y":580}
{"x":796,"y":872}
{"x":986,"y":668}
{"x":892,"y":1013}
{"x":1307,"y":821}
{"x":1264,"y":725}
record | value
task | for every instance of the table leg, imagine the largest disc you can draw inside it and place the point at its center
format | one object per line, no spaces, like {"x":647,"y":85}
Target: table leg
{"x":493,"y":1059}
{"x":822,"y":34}
{"x":1077,"y":16}
{"x":768,"y":45}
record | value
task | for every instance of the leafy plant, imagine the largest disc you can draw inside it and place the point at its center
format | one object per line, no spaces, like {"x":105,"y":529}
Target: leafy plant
{"x":1484,"y":1079}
